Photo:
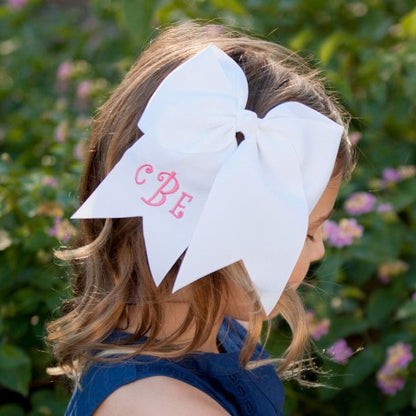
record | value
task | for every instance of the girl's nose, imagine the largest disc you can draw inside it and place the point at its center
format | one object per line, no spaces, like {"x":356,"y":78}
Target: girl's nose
{"x":318,"y":248}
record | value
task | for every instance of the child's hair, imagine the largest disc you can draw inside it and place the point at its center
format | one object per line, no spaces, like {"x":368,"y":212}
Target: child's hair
{"x":110,"y":271}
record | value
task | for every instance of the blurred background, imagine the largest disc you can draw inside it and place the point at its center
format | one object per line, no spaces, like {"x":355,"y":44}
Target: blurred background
{"x":61,"y":59}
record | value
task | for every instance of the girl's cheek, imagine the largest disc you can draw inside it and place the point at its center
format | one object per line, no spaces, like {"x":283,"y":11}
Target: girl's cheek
{"x":318,"y":251}
{"x":300,"y":269}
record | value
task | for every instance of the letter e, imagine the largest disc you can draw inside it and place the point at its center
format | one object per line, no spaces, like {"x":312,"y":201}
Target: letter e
{"x":174,"y":211}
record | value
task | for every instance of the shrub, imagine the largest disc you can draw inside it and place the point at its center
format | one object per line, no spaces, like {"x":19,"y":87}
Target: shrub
{"x":59,"y":62}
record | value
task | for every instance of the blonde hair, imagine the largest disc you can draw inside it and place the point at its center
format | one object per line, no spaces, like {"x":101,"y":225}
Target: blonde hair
{"x":110,"y":270}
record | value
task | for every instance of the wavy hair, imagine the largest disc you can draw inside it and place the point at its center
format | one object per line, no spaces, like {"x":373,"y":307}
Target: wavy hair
{"x":110,"y":274}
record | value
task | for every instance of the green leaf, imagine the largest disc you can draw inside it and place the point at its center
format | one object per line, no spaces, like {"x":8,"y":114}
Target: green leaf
{"x":37,"y":240}
{"x":352,"y":292}
{"x":380,"y":306}
{"x":344,"y":326}
{"x":232,"y":5}
{"x":360,"y":271}
{"x":401,"y":399}
{"x":11,"y":410}
{"x":27,"y":300}
{"x":137,"y":16}
{"x":408,"y":310}
{"x":361,"y":365}
{"x":48,"y":402}
{"x":15,"y":369}
{"x":378,"y":244}
{"x":329,"y":46}
{"x":301,"y":39}
{"x":329,"y":272}
{"x":408,"y":24}
{"x":361,"y":401}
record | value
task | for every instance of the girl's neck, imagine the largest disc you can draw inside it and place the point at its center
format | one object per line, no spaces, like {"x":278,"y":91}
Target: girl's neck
{"x":175,"y":314}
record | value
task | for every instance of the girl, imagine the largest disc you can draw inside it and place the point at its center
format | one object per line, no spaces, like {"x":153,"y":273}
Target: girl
{"x":210,"y":172}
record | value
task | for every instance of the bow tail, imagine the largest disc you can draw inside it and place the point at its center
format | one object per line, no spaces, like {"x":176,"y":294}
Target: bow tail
{"x":244,"y":217}
{"x":113,"y":196}
{"x":127,"y":191}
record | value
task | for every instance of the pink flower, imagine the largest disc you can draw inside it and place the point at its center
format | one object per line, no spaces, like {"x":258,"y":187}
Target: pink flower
{"x":399,"y":355}
{"x":330,"y":228}
{"x":388,"y":381}
{"x":355,"y":137}
{"x":390,"y":376}
{"x":80,"y":150}
{"x":16,"y":4}
{"x":49,"y":181}
{"x":385,"y":208}
{"x":61,"y":132}
{"x":317,"y":328}
{"x":340,"y":351}
{"x":391,"y":175}
{"x":414,"y":296}
{"x":84,"y":89}
{"x":342,"y":234}
{"x":64,"y":71}
{"x":62,"y":229}
{"x":359,"y":203}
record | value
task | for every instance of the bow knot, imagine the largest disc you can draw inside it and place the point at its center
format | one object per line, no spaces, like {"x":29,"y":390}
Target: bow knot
{"x":246,"y":122}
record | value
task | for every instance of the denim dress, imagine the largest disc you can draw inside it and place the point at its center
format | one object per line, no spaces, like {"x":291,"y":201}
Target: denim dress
{"x":239,"y":391}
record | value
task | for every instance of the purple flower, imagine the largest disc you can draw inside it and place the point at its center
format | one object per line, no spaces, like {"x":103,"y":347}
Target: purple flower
{"x":355,"y":137}
{"x":61,"y":132}
{"x":414,"y":296}
{"x":342,"y":234}
{"x":49,"y":181}
{"x":62,"y":230}
{"x":64,"y":71}
{"x":385,"y":208}
{"x":16,"y":4}
{"x":79,"y":151}
{"x":391,"y":175}
{"x":84,"y":89}
{"x":390,"y":376}
{"x":359,"y":203}
{"x":316,"y":328}
{"x":388,"y":381}
{"x":399,"y":355}
{"x":340,"y":351}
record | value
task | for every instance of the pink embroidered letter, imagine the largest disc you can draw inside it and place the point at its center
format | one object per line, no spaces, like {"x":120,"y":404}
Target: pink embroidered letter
{"x":162,"y":191}
{"x":147,"y":168}
{"x":180,"y":214}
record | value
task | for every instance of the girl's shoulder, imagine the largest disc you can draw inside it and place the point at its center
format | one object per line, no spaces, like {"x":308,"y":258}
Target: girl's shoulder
{"x":159,"y":395}
{"x":210,"y":381}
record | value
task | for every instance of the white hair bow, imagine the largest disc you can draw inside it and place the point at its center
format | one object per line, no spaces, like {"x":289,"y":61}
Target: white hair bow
{"x":196,"y":189}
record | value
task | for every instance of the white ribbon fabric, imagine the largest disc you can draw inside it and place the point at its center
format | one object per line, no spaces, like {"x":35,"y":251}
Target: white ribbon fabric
{"x":196,"y":189}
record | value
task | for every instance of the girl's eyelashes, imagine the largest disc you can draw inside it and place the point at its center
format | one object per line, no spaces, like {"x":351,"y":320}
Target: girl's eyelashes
{"x":311,"y":237}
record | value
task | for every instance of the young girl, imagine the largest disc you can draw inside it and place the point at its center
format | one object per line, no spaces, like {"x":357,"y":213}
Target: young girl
{"x":209,"y":174}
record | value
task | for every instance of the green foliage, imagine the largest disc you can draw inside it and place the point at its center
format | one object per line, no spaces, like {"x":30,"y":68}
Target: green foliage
{"x":59,"y":62}
{"x":14,"y":369}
